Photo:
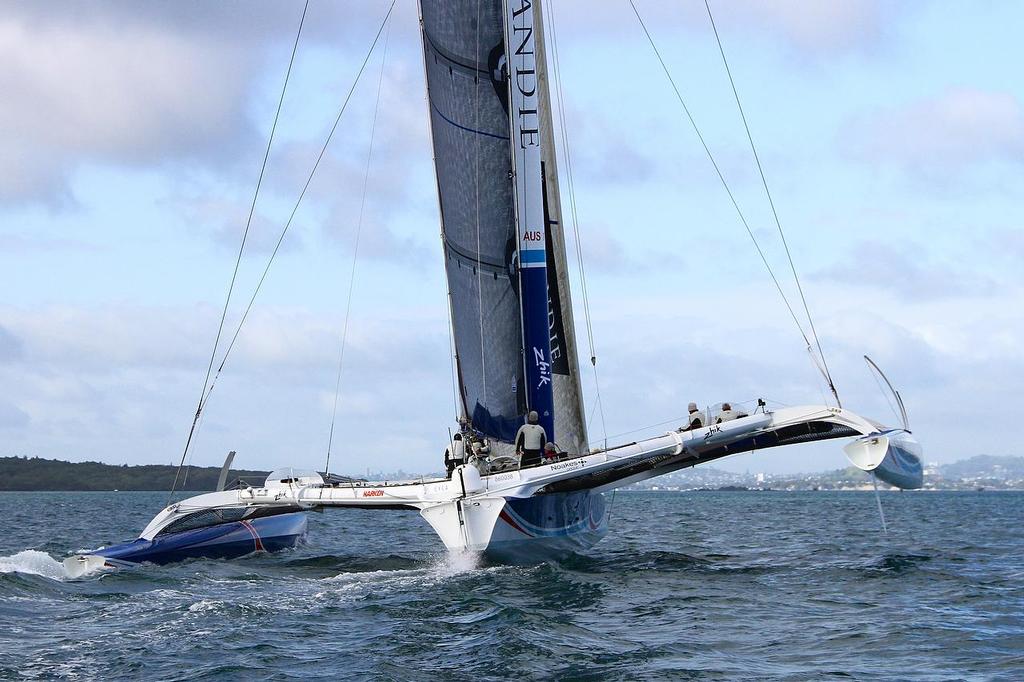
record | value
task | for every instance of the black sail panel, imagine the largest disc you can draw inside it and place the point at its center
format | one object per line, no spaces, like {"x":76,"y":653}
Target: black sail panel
{"x":465,"y":69}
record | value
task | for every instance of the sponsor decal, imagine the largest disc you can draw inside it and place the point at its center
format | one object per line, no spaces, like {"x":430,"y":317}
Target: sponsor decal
{"x":571,"y":464}
{"x":543,"y":367}
{"x":373,"y":493}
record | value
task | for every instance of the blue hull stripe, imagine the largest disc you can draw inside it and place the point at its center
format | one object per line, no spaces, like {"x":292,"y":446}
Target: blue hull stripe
{"x":222,"y":541}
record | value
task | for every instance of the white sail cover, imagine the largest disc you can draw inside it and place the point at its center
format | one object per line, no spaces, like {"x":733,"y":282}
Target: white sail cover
{"x":467,"y":90}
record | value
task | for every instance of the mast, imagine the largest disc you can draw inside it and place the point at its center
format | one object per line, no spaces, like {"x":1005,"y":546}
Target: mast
{"x":531,"y":227}
{"x":570,"y":417}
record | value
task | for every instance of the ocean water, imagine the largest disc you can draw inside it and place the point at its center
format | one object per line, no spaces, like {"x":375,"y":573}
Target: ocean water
{"x":704,"y":585}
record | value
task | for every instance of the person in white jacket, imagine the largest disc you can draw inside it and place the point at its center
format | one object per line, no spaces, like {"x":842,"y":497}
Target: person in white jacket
{"x":695,"y":417}
{"x":728,"y":414}
{"x":530,"y":440}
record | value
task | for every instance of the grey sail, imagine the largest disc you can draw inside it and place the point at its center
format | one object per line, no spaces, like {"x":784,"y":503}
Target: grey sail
{"x":570,"y":421}
{"x":468,"y":99}
{"x":467,"y":88}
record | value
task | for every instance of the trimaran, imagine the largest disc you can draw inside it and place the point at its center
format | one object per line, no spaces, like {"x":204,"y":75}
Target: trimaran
{"x":515,"y":347}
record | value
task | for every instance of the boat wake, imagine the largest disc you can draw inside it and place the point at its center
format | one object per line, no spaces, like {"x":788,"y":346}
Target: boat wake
{"x":33,"y":562}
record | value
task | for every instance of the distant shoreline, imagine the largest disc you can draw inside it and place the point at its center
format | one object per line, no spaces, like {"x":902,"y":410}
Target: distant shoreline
{"x":28,"y":474}
{"x":33,"y":474}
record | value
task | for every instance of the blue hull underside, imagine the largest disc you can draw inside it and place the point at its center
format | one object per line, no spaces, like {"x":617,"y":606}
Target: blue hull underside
{"x":548,"y":527}
{"x":220,"y":541}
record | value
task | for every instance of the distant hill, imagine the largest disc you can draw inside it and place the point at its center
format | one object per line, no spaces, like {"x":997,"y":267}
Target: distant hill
{"x":985,"y":466}
{"x":33,"y":473}
{"x":23,"y":473}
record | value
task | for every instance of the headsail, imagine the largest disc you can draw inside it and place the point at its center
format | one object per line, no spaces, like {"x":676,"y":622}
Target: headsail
{"x":503,"y":242}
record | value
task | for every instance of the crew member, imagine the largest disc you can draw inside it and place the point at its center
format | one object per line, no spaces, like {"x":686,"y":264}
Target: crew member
{"x":728,"y":414}
{"x":530,"y":440}
{"x":550,"y":452}
{"x":454,"y":454}
{"x":696,"y":417}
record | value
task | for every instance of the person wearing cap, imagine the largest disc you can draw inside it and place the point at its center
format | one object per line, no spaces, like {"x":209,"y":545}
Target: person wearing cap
{"x":454,"y":454}
{"x":728,"y":414}
{"x":696,"y":417}
{"x":530,"y":440}
{"x":550,"y":452}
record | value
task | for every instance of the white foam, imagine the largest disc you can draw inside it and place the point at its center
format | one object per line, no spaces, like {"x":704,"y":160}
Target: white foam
{"x":33,"y":562}
{"x":453,"y":563}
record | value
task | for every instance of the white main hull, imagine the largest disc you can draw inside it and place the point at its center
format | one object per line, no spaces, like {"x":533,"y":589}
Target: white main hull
{"x":521,"y":530}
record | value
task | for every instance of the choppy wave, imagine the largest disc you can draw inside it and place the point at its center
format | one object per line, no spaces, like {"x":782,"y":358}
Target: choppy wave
{"x":725,"y":585}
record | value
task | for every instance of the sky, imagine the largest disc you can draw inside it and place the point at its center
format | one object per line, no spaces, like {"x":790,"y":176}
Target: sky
{"x":891,"y":135}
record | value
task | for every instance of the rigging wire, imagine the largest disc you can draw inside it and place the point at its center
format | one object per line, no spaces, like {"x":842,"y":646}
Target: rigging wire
{"x":295,"y":209}
{"x":771,"y":203}
{"x":241,"y":250}
{"x":573,"y":212}
{"x":725,"y":185}
{"x":305,"y":187}
{"x":355,"y":252}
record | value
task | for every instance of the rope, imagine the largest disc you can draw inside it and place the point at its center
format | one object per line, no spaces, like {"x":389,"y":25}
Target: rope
{"x":295,"y":209}
{"x":575,"y":219}
{"x":355,"y":252}
{"x":241,"y":250}
{"x":302,"y":194}
{"x":725,"y":184}
{"x":771,"y":203}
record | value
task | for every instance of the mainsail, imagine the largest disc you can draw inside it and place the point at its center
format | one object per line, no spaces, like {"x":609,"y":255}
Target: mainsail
{"x":503,"y":243}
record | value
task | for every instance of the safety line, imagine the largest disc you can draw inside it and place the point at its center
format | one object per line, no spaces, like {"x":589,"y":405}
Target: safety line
{"x":771,"y":202}
{"x":355,"y":252}
{"x":732,"y":198}
{"x":241,"y":248}
{"x":575,"y":218}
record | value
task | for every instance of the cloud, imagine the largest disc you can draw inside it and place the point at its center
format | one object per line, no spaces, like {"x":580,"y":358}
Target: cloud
{"x":905,"y":271}
{"x":812,"y":26}
{"x":949,"y":355}
{"x":223,"y":220}
{"x":114,"y":381}
{"x":1008,"y":243}
{"x":11,"y":347}
{"x":603,"y":252}
{"x":804,"y":26}
{"x":957,"y":129}
{"x":143,"y":86}
{"x":11,"y":417}
{"x":96,"y":93}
